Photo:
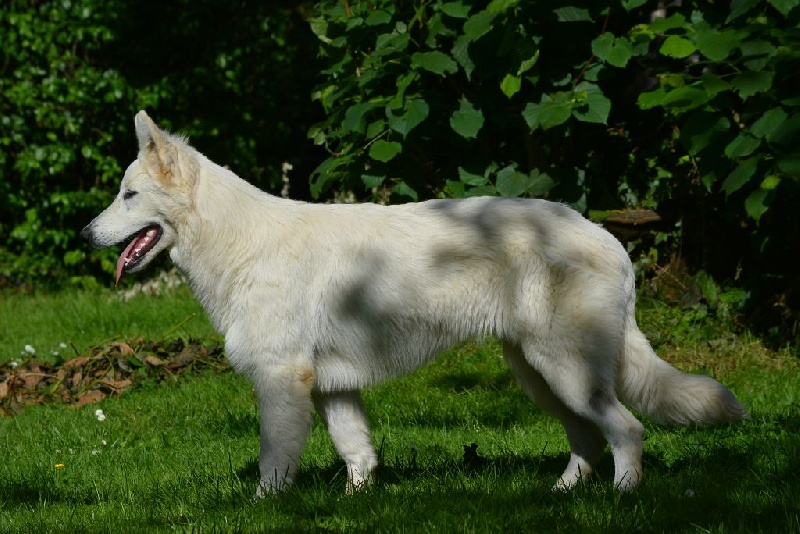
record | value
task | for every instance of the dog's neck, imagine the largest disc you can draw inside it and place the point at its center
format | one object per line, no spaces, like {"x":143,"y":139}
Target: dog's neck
{"x":211,"y":248}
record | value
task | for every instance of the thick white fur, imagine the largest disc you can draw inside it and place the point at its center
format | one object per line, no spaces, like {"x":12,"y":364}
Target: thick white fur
{"x":318,"y":301}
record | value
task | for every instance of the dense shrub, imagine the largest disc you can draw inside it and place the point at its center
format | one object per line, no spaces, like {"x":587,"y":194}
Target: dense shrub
{"x":73,"y":74}
{"x":689,"y":110}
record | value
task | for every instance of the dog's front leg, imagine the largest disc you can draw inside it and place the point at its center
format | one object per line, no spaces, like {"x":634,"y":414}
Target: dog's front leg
{"x":284,"y":402}
{"x":344,"y":415}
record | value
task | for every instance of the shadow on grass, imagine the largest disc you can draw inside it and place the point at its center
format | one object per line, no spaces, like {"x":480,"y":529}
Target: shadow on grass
{"x":728,"y":484}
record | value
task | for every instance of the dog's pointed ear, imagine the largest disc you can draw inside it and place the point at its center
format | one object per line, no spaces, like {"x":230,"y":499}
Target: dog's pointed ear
{"x":146,"y":131}
{"x":154,"y":146}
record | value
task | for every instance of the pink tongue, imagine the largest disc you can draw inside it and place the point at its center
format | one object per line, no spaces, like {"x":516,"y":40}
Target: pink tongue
{"x":138,"y":243}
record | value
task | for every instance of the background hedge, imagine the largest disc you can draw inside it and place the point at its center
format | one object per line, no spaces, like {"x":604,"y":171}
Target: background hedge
{"x":690,"y":111}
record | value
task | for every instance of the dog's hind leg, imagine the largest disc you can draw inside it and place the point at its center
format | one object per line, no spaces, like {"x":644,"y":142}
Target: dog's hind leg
{"x":284,"y":402}
{"x":344,"y":416}
{"x":581,"y":375}
{"x":585,"y":439}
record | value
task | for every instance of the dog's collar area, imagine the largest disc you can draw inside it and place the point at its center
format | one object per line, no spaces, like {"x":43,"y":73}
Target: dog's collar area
{"x":137,"y":249}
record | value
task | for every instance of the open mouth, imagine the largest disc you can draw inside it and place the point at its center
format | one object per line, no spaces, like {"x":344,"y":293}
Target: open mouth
{"x":137,"y":249}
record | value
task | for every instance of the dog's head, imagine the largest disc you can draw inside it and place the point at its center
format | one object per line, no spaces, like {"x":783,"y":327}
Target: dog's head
{"x":154,"y":197}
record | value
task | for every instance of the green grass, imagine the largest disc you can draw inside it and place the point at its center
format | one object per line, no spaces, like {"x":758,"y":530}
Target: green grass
{"x":82,"y":319}
{"x":184,"y":457}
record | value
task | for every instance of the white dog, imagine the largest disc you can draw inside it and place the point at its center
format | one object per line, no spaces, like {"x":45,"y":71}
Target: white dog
{"x":319,"y":301}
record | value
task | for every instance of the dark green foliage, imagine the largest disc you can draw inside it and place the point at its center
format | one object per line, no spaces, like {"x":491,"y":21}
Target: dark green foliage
{"x":57,"y":154}
{"x":74,"y":72}
{"x":689,"y":110}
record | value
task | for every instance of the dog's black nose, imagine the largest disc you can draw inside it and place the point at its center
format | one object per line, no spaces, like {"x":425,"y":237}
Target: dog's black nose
{"x":86,"y":233}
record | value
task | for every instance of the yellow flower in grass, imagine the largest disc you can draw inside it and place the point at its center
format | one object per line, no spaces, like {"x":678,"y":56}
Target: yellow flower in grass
{"x":59,"y":466}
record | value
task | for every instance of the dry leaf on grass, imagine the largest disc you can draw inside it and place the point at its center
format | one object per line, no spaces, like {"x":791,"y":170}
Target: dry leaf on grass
{"x":107,"y":371}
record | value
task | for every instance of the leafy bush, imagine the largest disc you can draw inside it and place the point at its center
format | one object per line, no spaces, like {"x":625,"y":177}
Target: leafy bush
{"x":688,"y":110}
{"x":59,"y":118}
{"x":74,"y":73}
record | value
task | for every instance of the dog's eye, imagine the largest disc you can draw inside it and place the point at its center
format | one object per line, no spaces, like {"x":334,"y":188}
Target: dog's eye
{"x":129,"y":194}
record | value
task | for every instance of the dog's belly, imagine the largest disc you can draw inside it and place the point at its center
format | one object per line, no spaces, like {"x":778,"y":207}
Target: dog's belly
{"x":373,"y":353}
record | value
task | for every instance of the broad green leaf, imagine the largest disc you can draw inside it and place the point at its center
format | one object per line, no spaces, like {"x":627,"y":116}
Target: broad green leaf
{"x":768,"y":123}
{"x":436,"y":62}
{"x":651,"y":99}
{"x":460,"y":52}
{"x":539,"y":183}
{"x":614,"y":50}
{"x":749,"y":83}
{"x":527,"y":64}
{"x":757,"y":54}
{"x":455,"y":9}
{"x":784,"y":6}
{"x":684,"y":98}
{"x":572,"y":14}
{"x":771,"y":182}
{"x":740,"y":7}
{"x":743,"y":145}
{"x":384,"y":150}
{"x":470,"y":178}
{"x":375,"y":128}
{"x":593,"y":106}
{"x":716,"y":45}
{"x":510,"y":182}
{"x":390,"y":43}
{"x":670,"y":23}
{"x":709,"y":180}
{"x":354,"y":116}
{"x":497,"y":7}
{"x":602,"y":45}
{"x":403,"y":189}
{"x":510,"y":85}
{"x":790,"y":164}
{"x":402,"y":83}
{"x":740,"y":176}
{"x":620,"y":53}
{"x":354,"y":22}
{"x":454,"y":189}
{"x":467,"y":121}
{"x":632,"y":4}
{"x":708,"y":288}
{"x":713,"y":83}
{"x":546,"y":114}
{"x":371,"y":180}
{"x":787,"y":133}
{"x":378,"y":17}
{"x":700,"y":128}
{"x":317,"y":135}
{"x":416,"y":110}
{"x":319,"y":27}
{"x":478,"y":25}
{"x":677,"y":47}
{"x":757,"y":203}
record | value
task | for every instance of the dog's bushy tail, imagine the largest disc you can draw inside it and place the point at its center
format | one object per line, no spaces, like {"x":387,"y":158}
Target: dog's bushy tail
{"x":667,"y":395}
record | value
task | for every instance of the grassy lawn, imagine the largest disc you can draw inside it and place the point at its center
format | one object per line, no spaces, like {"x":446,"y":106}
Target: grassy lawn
{"x":74,"y":320}
{"x":183,"y":456}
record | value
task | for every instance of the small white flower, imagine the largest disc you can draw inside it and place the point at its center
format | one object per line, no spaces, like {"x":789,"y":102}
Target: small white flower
{"x":29,"y":349}
{"x":100,"y":415}
{"x":95,"y":452}
{"x":689,"y":493}
{"x":54,"y":353}
{"x":104,"y":442}
{"x":62,"y":345}
{"x":14,"y":363}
